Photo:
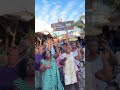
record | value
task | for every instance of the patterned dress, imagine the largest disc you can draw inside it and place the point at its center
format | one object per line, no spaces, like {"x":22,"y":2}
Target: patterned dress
{"x":51,"y":77}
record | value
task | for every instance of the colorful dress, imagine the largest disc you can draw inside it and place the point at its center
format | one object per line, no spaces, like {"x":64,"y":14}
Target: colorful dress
{"x":51,"y":77}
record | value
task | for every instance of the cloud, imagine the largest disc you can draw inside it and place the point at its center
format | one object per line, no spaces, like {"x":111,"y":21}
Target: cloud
{"x":73,"y":15}
{"x":46,"y":6}
{"x":67,"y":9}
{"x":36,"y":8}
{"x":53,"y":15}
{"x":50,"y":12}
{"x":82,"y":5}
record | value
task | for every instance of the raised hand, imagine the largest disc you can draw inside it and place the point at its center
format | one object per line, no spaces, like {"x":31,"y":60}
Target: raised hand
{"x":48,"y":66}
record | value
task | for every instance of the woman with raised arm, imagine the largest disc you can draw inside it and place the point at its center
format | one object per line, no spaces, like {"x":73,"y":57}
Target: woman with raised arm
{"x":50,"y":72}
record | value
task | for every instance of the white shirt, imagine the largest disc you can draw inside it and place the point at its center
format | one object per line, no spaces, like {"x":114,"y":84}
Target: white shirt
{"x":75,"y":53}
{"x":70,"y":69}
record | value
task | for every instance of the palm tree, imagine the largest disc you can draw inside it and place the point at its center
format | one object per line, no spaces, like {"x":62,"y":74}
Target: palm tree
{"x":80,"y":24}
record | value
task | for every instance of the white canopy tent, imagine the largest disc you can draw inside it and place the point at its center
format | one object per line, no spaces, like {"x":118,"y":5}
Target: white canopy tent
{"x":43,"y":27}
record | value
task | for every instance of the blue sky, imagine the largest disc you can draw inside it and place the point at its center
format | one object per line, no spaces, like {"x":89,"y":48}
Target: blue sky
{"x":52,"y":10}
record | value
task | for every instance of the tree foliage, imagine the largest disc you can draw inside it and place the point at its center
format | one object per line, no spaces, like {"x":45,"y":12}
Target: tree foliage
{"x":80,"y":24}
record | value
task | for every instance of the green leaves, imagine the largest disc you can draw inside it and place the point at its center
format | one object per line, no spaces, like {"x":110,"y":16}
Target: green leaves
{"x":80,"y":24}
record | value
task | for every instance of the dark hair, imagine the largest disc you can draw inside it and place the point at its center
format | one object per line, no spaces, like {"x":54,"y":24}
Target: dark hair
{"x":105,"y":29}
{"x":44,"y":54}
{"x":64,"y":44}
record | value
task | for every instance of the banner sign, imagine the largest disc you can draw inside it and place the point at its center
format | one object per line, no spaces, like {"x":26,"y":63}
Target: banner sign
{"x":60,"y":26}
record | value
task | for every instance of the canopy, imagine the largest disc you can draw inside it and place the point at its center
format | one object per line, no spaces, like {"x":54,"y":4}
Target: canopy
{"x":43,"y":27}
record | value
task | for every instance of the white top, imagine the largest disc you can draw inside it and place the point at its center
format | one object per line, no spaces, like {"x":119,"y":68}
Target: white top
{"x":70,"y":69}
{"x":75,"y":53}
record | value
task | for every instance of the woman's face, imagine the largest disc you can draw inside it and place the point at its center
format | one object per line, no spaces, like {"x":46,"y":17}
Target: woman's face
{"x":40,"y":50}
{"x":48,"y":55}
{"x":68,"y":49}
{"x":73,"y":45}
{"x":64,"y":47}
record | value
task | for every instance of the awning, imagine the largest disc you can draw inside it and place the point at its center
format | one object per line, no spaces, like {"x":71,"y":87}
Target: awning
{"x":43,"y":27}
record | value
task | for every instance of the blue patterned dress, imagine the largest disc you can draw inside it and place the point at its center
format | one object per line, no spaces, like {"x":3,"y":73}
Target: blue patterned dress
{"x":51,"y":77}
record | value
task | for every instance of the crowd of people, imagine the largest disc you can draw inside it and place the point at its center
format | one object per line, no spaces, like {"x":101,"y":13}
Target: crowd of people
{"x":57,"y":66}
{"x":61,"y":65}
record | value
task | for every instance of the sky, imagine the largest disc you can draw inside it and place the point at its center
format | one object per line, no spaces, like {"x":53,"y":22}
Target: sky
{"x":50,"y":11}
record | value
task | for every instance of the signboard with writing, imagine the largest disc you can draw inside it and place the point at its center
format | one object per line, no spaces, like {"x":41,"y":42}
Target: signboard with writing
{"x":60,"y":26}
